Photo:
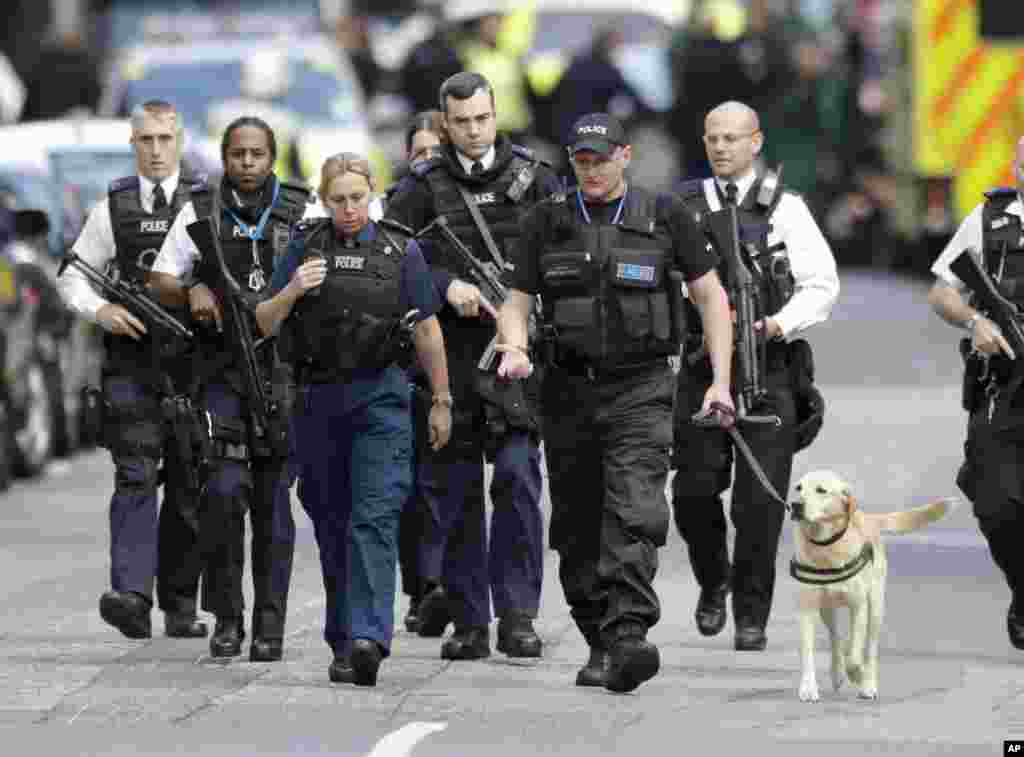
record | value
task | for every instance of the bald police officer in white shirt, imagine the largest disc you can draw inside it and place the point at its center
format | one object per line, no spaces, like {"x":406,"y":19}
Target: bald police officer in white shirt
{"x":797,"y":285}
{"x":126,"y":229}
{"x":992,"y":476}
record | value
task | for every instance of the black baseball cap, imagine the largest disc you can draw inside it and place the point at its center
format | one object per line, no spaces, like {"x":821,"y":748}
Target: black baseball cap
{"x":598,"y":132}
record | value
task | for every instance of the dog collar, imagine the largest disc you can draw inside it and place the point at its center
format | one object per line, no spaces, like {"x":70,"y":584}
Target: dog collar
{"x":808,"y":574}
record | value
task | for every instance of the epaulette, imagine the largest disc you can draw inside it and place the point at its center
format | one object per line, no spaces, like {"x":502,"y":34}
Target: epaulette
{"x":1001,"y":193}
{"x":424,"y":167}
{"x":527,"y":154}
{"x":125,"y":182}
{"x":689,"y":188}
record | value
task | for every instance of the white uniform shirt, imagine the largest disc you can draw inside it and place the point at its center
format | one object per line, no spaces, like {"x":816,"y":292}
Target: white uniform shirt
{"x":486,"y":161}
{"x":968,"y":235}
{"x":95,"y":245}
{"x":810,"y":257}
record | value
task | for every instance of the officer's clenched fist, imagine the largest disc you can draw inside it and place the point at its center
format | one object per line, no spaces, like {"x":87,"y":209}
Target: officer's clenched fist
{"x":468,"y":300}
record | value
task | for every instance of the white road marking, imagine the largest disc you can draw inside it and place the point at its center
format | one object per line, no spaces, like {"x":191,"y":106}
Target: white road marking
{"x":400,"y":743}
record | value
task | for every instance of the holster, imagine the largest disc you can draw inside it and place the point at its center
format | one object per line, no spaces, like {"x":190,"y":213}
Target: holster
{"x":975,"y":370}
{"x":193,"y":447}
{"x":506,"y":408}
{"x":390,"y":342}
{"x":94,"y":411}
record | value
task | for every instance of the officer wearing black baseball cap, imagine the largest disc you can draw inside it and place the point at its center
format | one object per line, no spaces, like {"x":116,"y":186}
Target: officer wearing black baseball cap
{"x":609,"y":260}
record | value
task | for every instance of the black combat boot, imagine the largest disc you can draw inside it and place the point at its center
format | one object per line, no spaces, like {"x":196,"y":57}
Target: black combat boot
{"x":595,"y":672}
{"x":227,"y":637}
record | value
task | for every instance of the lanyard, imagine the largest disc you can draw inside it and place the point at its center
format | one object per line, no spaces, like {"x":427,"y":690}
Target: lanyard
{"x":586,"y":213}
{"x":255,"y":233}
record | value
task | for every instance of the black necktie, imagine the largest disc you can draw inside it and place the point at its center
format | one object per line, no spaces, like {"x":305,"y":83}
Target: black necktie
{"x":159,"y":198}
{"x":731,"y":190}
{"x":476,"y":169}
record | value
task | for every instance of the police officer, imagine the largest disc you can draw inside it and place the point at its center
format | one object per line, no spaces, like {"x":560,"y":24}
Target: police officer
{"x":353,"y":426}
{"x":255,"y":214}
{"x":477,"y":171}
{"x":798,"y":283}
{"x":991,"y":475}
{"x":608,"y":262}
{"x":423,"y":137}
{"x":125,"y":230}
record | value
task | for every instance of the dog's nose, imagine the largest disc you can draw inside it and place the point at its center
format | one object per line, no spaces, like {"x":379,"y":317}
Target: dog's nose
{"x":796,"y":510}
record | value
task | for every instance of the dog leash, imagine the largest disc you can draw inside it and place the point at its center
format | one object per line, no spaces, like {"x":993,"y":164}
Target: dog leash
{"x":708,"y":421}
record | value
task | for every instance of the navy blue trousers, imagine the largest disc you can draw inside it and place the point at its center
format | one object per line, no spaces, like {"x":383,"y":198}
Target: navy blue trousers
{"x":354,"y":444}
{"x":143,"y":545}
{"x":261,"y":488}
{"x":455,"y":548}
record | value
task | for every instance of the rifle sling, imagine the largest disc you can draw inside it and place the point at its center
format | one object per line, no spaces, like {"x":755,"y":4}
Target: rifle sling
{"x":481,"y":225}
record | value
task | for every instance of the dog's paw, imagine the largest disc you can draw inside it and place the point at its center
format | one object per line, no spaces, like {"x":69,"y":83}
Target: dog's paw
{"x":869,"y":693}
{"x":809,"y":690}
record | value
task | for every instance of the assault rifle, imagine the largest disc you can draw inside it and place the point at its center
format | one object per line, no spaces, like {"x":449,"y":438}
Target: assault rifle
{"x":190,"y":436}
{"x":751,"y":345}
{"x":993,"y":303}
{"x":269,"y":428}
{"x":485,"y":274}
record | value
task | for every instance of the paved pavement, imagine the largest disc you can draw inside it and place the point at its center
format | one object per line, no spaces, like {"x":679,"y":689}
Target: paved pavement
{"x":950,"y":682}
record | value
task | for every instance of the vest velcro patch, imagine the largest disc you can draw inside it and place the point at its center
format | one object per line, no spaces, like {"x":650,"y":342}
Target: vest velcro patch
{"x":634,"y":272}
{"x":349,"y":262}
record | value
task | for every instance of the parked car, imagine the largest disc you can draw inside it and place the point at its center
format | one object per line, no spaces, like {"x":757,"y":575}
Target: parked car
{"x":27,"y":396}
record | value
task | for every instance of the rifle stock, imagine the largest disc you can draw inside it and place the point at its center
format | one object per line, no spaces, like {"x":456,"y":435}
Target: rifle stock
{"x":997,"y":308}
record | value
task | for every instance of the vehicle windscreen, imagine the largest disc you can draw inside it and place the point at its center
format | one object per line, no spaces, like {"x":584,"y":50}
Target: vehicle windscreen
{"x":316,"y":96}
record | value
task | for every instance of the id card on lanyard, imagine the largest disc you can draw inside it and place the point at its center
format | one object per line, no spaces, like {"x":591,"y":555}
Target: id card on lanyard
{"x":257,"y":276}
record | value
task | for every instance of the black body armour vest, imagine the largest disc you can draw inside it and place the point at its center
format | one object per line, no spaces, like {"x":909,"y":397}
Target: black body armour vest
{"x":1003,"y":244}
{"x":340,"y":327}
{"x":250,"y":262}
{"x":773,"y":275}
{"x":605,"y":288}
{"x":138,"y":236}
{"x":501,"y":211}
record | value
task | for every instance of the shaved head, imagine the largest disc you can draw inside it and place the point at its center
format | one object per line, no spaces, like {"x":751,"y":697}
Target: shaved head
{"x":733,"y":139}
{"x":738,"y":114}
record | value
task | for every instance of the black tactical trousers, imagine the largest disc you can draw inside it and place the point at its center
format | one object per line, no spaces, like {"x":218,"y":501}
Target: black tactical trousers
{"x":607,"y":443}
{"x":703,"y":458}
{"x":143,"y":544}
{"x":993,"y":479}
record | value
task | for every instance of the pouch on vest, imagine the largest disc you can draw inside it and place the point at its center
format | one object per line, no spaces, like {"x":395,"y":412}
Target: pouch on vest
{"x":640,"y":293}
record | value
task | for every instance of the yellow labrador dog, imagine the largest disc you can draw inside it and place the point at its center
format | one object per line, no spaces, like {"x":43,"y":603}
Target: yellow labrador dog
{"x":840,"y":561}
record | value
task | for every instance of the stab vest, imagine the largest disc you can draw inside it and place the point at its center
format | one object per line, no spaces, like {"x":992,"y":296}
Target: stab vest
{"x":138,"y":236}
{"x":238,"y":251}
{"x":772,"y":272}
{"x":605,"y":288}
{"x":501,"y":212}
{"x":1003,"y":243}
{"x":336,"y":328}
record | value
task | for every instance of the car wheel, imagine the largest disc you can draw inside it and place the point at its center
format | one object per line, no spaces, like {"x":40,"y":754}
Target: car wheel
{"x":33,"y":440}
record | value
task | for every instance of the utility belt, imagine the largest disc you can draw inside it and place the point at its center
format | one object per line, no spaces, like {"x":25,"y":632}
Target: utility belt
{"x":777,"y":353}
{"x":379,"y":343}
{"x":594,"y":371}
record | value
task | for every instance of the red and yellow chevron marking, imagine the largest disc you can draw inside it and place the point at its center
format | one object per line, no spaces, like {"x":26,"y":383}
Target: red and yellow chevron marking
{"x":968,"y":100}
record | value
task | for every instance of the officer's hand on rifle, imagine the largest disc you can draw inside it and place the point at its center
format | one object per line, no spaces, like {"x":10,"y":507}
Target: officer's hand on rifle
{"x":718,"y":404}
{"x":773,"y":331}
{"x":117,"y":320}
{"x":987,"y":338}
{"x":515,"y":362}
{"x":440,"y":424}
{"x":467,"y":300}
{"x":309,"y":275}
{"x":204,"y":306}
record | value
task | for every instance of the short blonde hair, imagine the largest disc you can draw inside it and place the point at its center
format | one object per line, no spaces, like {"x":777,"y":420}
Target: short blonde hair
{"x":342,"y":163}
